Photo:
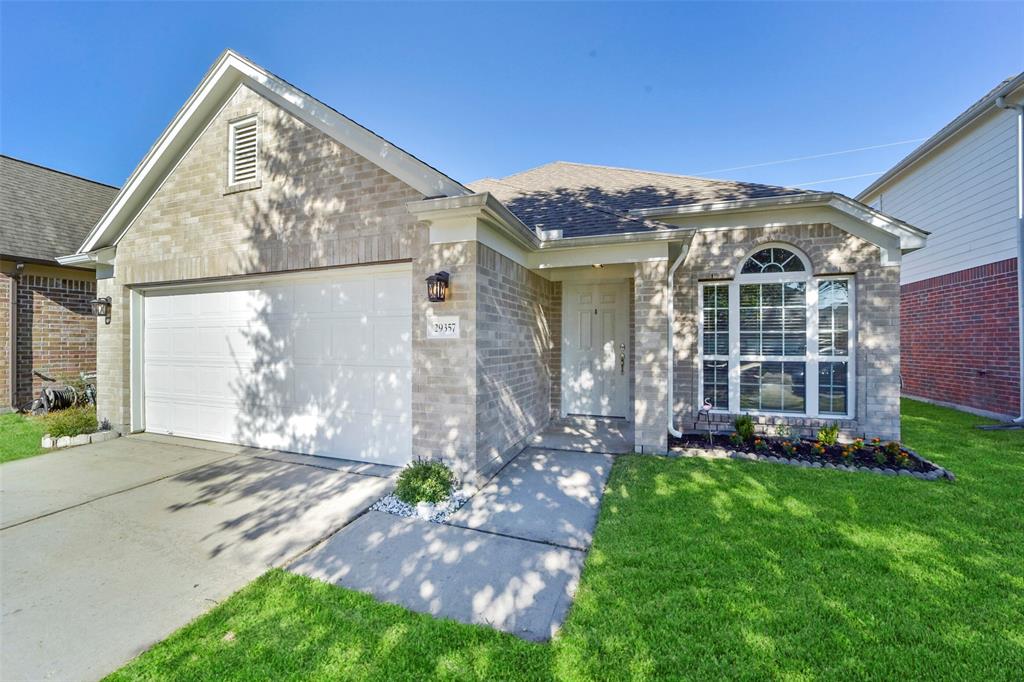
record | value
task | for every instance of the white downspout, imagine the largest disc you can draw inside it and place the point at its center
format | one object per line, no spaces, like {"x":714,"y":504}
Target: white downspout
{"x":671,"y":341}
{"x":1019,"y":108}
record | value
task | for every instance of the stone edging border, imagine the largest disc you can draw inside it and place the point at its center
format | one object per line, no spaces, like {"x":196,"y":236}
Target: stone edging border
{"x":720,"y":453}
{"x":51,"y":443}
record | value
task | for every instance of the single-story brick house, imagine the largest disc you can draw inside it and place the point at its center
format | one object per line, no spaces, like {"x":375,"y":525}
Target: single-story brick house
{"x":267,"y":265}
{"x":46,"y":322}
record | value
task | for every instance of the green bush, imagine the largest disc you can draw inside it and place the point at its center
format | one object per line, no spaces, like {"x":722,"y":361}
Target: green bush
{"x":829,"y":435}
{"x":424,"y":481}
{"x":71,"y":422}
{"x":744,"y":426}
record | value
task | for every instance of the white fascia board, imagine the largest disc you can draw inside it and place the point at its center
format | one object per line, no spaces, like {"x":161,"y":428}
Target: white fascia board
{"x":91,"y":259}
{"x":578,"y":256}
{"x":220,"y":81}
{"x":823,"y":207}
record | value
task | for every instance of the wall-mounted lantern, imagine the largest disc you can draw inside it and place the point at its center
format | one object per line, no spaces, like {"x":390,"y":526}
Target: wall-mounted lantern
{"x":437,"y":287}
{"x":101,"y":308}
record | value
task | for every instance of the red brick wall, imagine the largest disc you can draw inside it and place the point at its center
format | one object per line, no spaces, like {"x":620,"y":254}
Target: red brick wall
{"x":56,"y":330}
{"x":959,"y":338}
{"x":5,"y":340}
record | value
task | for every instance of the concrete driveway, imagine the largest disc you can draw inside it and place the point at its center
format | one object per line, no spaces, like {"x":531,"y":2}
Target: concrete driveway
{"x":108,"y":548}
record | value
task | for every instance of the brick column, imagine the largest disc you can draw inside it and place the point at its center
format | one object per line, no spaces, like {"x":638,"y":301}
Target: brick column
{"x":444,"y":386}
{"x":651,"y":353}
{"x":113,"y":359}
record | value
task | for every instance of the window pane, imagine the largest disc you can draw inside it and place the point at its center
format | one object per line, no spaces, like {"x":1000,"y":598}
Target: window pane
{"x":833,"y":317}
{"x":832,"y":388}
{"x":716,"y":319}
{"x":773,"y":259}
{"x":716,"y":383}
{"x":773,"y":386}
{"x":769,"y":310}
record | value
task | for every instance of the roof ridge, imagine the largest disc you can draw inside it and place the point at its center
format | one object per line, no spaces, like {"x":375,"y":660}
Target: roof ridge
{"x":700,"y":178}
{"x":58,"y":171}
{"x":590,"y":205}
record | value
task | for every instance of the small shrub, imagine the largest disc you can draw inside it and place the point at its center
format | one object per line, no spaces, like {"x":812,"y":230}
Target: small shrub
{"x":893,"y":449}
{"x":736,"y":439}
{"x":880,"y":456}
{"x":424,"y":481}
{"x":782,"y":430}
{"x":744,"y":425}
{"x":70,"y":422}
{"x":760,"y":445}
{"x":829,"y":435}
{"x":790,"y":448}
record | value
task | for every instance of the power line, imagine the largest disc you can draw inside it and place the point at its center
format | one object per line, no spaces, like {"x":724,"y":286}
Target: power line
{"x":814,"y":156}
{"x":846,"y":177}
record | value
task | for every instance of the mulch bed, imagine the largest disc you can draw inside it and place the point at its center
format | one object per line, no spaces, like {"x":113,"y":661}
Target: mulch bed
{"x":862,"y":456}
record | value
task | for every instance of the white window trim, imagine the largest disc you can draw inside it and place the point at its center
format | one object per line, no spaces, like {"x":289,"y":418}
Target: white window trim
{"x":811,"y":358}
{"x":232,"y":125}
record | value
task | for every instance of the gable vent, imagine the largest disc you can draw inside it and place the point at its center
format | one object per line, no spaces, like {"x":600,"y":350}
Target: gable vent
{"x":242,"y":163}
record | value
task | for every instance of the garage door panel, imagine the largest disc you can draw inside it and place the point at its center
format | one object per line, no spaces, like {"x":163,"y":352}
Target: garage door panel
{"x":392,"y":294}
{"x":392,"y":388}
{"x":351,"y":297}
{"x":391,"y":341}
{"x":320,"y":367}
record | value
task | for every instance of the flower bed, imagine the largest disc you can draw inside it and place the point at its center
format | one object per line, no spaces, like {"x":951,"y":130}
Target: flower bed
{"x":874,"y":456}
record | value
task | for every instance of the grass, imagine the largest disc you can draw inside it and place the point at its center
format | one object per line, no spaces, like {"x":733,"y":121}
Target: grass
{"x":20,"y":437}
{"x":701,"y":569}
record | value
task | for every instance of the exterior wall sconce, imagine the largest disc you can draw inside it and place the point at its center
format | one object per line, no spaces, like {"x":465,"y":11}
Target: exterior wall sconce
{"x":437,"y":287}
{"x":101,"y":307}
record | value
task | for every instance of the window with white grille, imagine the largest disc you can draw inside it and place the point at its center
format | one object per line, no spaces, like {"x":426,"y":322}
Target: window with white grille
{"x":778,"y":339}
{"x":243,"y":147}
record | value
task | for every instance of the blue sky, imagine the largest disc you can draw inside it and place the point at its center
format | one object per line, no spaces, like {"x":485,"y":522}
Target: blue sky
{"x":491,"y":89}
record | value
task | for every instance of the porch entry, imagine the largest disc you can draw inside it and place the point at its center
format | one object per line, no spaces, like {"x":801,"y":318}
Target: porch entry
{"x":596,"y":355}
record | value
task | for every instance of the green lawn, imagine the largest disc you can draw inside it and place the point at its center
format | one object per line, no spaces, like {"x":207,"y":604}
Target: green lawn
{"x":702,"y":569}
{"x":20,"y":437}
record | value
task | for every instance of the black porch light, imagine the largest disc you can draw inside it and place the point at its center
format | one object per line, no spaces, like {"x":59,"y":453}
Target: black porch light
{"x":437,"y":287}
{"x":101,"y":308}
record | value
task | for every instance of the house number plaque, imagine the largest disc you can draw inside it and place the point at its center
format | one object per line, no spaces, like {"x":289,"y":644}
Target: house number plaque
{"x":443,"y":327}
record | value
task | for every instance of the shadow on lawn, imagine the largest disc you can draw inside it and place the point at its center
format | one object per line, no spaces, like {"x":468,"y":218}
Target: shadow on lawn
{"x":773,"y":571}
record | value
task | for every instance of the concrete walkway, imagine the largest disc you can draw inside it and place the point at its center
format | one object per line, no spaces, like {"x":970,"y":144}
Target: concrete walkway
{"x":510,"y":558}
{"x":109,"y":548}
{"x":587,"y":434}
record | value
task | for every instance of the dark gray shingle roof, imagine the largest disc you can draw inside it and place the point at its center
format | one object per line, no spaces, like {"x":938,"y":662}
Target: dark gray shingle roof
{"x":585,"y":200}
{"x":46,"y":213}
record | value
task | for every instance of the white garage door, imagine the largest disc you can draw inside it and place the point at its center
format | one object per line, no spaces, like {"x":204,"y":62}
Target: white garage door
{"x":313,"y":366}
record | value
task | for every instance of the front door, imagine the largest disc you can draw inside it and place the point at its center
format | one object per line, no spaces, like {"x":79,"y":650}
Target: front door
{"x":595,"y":349}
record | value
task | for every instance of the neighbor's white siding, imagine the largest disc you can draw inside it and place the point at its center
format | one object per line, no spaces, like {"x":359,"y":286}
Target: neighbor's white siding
{"x":964,"y":194}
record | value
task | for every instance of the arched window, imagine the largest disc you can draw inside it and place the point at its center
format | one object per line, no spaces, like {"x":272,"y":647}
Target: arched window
{"x":773,"y":259}
{"x":777,"y":339}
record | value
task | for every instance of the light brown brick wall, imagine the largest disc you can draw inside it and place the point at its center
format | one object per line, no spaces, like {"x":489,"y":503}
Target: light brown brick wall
{"x":716,"y":255}
{"x":513,"y":349}
{"x":318,"y":204}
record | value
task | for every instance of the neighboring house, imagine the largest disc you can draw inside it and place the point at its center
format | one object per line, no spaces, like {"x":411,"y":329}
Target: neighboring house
{"x":46,"y":323}
{"x":267,"y":261}
{"x":960,"y":309}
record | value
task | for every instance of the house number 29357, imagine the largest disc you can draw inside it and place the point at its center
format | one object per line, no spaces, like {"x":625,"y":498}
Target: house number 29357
{"x":446,"y":327}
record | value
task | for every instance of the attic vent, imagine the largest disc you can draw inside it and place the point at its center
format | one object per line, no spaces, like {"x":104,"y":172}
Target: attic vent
{"x":242,"y":150}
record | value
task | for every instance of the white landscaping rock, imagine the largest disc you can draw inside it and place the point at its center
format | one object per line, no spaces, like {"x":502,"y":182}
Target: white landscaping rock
{"x":63,"y":441}
{"x":435,"y":513}
{"x":80,"y":439}
{"x":48,"y":442}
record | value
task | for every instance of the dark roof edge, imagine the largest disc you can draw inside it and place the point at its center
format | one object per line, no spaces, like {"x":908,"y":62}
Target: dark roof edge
{"x":971,"y":114}
{"x":54,"y":170}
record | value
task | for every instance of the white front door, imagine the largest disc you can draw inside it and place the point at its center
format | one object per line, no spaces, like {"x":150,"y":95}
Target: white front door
{"x":595,"y":349}
{"x":317,"y":365}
